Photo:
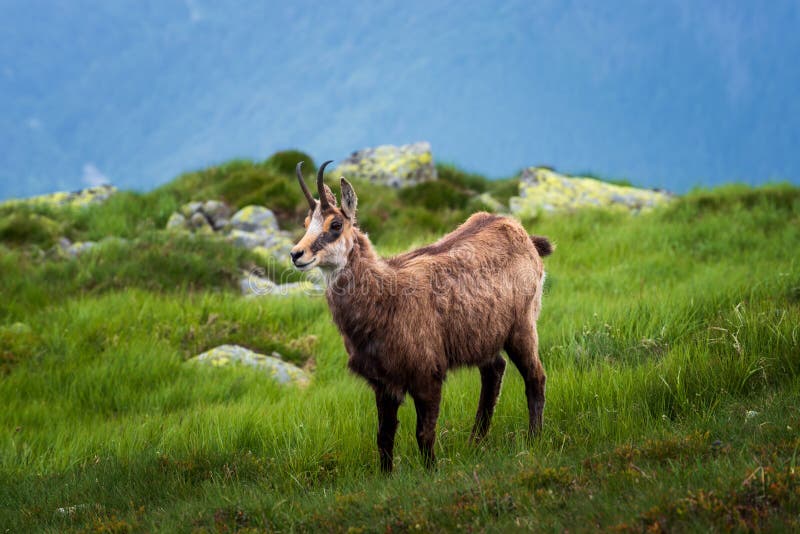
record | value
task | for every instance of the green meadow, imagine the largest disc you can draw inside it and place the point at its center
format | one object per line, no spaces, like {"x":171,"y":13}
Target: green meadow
{"x":671,"y":340}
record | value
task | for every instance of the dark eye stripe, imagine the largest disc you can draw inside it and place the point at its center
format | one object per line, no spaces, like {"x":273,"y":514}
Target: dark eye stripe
{"x":324,"y":239}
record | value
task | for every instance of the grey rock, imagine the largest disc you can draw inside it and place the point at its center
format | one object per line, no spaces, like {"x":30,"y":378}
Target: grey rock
{"x":74,"y":199}
{"x":191,"y":208}
{"x":176,"y":222}
{"x":252,"y":218}
{"x":199,"y":223}
{"x":216,"y":209}
{"x":395,"y":166}
{"x":200,"y":215}
{"x":231,"y":355}
{"x":221,"y":224}
{"x":243,"y":239}
{"x":252,"y":227}
{"x":253,"y":285}
{"x":73,"y":250}
{"x":543,"y":189}
{"x":275,"y":241}
{"x":76,"y":249}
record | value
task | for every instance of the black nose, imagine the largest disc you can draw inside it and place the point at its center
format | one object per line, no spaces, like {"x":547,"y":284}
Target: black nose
{"x":296,"y":255}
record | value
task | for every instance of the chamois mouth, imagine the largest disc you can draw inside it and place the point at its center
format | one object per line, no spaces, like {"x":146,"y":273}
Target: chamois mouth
{"x":306,"y":266}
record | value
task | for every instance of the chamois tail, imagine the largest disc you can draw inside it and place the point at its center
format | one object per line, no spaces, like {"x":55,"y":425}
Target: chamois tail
{"x":543,"y":245}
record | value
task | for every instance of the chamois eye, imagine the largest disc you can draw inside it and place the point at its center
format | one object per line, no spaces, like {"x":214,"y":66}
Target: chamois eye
{"x":336,"y":226}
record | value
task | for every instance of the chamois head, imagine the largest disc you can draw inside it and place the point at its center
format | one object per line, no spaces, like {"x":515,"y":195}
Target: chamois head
{"x":329,"y":228}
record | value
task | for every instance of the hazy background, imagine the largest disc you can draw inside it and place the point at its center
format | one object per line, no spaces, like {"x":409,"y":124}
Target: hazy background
{"x":668,"y":94}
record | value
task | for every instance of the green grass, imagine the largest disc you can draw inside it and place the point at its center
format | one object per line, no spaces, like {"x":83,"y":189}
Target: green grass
{"x":660,"y":333}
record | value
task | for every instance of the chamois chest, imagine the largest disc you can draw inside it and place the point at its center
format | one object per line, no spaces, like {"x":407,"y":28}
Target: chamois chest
{"x":370,"y":336}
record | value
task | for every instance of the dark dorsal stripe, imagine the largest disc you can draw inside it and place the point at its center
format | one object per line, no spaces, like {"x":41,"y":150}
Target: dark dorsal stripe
{"x":447,"y":243}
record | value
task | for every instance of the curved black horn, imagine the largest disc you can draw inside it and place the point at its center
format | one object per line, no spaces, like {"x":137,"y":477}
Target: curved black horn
{"x":323,"y":198}
{"x":311,"y":202}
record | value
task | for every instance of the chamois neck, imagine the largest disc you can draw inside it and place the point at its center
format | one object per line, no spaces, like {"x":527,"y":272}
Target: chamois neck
{"x":363,"y":250}
{"x":364,"y":267}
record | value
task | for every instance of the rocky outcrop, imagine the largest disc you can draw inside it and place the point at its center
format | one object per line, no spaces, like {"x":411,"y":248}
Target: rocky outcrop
{"x":543,"y":189}
{"x":254,"y":218}
{"x":256,"y":228}
{"x":201,"y":217}
{"x":395,"y":166}
{"x":65,"y":248}
{"x":252,"y":227}
{"x":230,"y":355}
{"x":73,"y":199}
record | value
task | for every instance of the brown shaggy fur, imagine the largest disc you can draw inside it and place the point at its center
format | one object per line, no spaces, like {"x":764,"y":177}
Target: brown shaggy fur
{"x":409,"y":319}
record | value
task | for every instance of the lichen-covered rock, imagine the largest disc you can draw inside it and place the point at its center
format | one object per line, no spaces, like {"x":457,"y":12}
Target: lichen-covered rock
{"x":199,"y":223}
{"x":65,"y":248}
{"x":487,"y":202}
{"x":74,"y":199}
{"x":278,"y":252}
{"x":253,"y":285}
{"x":266,"y":244}
{"x":395,"y":166}
{"x":256,"y":228}
{"x":215,"y":215}
{"x":79,"y":247}
{"x":229,"y":355}
{"x":177,"y":221}
{"x":253,"y":218}
{"x":221,"y":224}
{"x":202,"y":217}
{"x":252,"y":227}
{"x":243,"y":239}
{"x":216,"y":210}
{"x":543,"y":189}
{"x":190,"y":208}
{"x":73,"y":250}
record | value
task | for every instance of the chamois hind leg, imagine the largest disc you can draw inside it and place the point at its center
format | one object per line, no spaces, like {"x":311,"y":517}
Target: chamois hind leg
{"x":426,"y":402}
{"x":387,"y":405}
{"x":491,"y":381}
{"x":522,"y":347}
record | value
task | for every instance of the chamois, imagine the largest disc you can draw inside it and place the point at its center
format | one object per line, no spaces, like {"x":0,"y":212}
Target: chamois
{"x":408,"y":319}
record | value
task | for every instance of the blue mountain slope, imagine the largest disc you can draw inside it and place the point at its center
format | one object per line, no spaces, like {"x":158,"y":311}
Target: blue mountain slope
{"x":664,"y":94}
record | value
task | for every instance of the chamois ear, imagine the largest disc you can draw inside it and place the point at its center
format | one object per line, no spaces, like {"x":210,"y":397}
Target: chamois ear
{"x":330,"y":195}
{"x":349,"y":200}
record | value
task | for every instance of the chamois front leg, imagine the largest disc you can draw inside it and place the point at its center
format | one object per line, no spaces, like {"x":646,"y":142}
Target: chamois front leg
{"x":426,"y":402}
{"x":387,"y":426}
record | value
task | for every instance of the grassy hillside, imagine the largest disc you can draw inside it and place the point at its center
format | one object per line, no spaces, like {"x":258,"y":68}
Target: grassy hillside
{"x":671,"y":341}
